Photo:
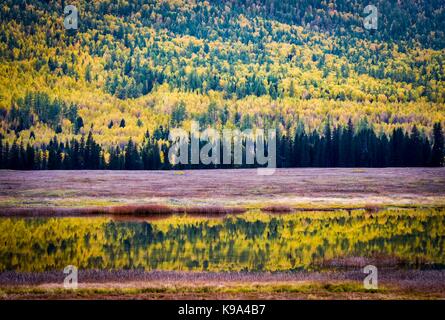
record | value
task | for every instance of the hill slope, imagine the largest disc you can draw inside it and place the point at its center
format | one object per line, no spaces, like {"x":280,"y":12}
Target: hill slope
{"x":134,"y":65}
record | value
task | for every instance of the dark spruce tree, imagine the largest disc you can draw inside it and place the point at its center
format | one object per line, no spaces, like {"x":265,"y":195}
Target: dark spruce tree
{"x":437,"y":153}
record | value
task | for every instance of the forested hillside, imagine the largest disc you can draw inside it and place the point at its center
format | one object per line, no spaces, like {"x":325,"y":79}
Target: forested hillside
{"x":136,"y":68}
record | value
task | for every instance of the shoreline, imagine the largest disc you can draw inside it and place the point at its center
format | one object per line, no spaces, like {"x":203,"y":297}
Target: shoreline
{"x":133,"y":284}
{"x":132,"y":212}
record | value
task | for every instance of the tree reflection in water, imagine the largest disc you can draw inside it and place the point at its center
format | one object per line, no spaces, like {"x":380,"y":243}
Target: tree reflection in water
{"x":250,"y":242}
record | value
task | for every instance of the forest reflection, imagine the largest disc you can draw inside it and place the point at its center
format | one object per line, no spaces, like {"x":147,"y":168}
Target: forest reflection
{"x":249,"y":242}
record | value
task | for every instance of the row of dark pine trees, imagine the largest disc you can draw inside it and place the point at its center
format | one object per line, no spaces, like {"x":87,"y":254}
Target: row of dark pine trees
{"x":334,"y":147}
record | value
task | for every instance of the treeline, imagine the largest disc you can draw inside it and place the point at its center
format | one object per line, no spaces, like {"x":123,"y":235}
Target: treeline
{"x":83,"y":154}
{"x":345,"y":147}
{"x":334,"y":147}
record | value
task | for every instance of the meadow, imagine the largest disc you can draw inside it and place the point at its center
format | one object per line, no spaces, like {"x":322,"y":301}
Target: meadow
{"x":219,"y":191}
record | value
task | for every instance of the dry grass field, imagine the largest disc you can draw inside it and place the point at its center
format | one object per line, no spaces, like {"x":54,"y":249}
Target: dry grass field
{"x":218,"y":191}
{"x":125,"y":284}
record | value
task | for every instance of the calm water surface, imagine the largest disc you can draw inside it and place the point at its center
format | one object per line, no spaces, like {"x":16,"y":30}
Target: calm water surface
{"x":250,"y":242}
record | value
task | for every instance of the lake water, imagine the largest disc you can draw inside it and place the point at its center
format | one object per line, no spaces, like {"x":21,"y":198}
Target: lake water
{"x":249,"y":242}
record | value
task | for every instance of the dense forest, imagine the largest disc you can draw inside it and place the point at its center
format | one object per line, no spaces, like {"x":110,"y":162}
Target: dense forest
{"x":340,"y":147}
{"x":105,"y":95}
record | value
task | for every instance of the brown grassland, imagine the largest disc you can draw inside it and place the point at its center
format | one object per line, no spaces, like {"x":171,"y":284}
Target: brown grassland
{"x":216,"y":191}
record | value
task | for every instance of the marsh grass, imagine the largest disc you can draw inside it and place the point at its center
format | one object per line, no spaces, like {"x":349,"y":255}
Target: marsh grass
{"x":306,"y":288}
{"x":119,"y":210}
